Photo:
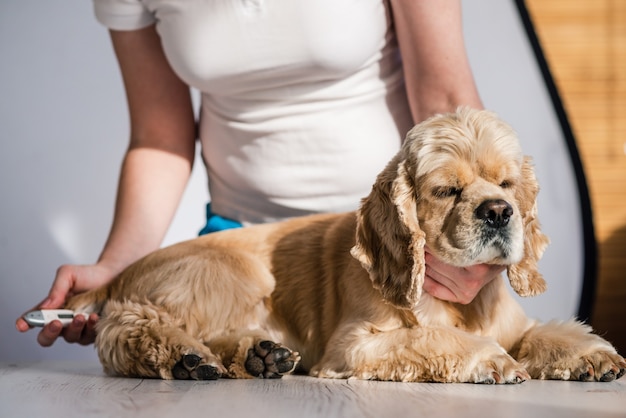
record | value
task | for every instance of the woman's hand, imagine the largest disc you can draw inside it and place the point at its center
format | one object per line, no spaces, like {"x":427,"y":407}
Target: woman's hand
{"x":70,"y":280}
{"x":457,"y":284}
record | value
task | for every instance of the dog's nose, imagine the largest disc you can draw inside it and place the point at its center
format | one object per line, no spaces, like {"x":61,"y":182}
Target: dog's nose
{"x":495,"y":213}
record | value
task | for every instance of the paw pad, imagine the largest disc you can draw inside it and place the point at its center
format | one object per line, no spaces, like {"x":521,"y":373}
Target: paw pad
{"x":191,"y":367}
{"x":270,"y":360}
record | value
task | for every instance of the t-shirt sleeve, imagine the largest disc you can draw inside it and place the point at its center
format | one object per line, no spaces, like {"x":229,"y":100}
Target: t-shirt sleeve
{"x":123,"y":14}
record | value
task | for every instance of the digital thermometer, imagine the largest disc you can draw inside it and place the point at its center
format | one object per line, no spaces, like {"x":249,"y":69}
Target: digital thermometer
{"x":43,"y":317}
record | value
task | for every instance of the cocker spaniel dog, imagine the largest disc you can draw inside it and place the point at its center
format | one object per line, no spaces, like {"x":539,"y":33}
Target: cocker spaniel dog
{"x":340,"y":295}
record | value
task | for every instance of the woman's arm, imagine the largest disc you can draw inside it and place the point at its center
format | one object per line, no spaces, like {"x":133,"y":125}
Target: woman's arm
{"x":154,"y":173}
{"x":161,"y":151}
{"x":436,"y":68}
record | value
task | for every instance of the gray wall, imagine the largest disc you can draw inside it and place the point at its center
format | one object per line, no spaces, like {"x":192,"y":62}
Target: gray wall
{"x":63,"y":131}
{"x":510,"y":83}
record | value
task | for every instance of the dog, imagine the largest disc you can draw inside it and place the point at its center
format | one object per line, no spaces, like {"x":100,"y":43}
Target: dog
{"x":340,"y":295}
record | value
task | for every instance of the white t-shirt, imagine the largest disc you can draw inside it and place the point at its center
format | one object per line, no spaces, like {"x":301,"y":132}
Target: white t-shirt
{"x":302,"y":101}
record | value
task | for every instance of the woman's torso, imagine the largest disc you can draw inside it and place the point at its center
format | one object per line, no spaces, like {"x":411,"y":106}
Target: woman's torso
{"x":302,"y":102}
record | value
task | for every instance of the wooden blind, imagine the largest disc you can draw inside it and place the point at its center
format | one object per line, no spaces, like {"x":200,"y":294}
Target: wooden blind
{"x":585,"y":44}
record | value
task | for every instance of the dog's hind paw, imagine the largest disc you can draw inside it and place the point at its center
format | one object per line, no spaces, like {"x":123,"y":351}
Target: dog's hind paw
{"x":191,"y":367}
{"x":270,"y":360}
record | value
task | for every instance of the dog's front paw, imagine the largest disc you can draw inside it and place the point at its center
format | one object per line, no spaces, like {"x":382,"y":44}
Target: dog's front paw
{"x":191,"y":366}
{"x":601,"y":366}
{"x":498,"y":369}
{"x":270,"y":360}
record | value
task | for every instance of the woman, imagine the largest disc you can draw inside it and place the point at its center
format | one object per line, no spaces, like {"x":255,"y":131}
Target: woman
{"x":302,"y":104}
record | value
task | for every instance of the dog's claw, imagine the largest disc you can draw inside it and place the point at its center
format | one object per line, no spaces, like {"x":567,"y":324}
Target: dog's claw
{"x":521,"y":377}
{"x":608,"y":376}
{"x":494,"y":379}
{"x":270,"y":360}
{"x":588,"y":375}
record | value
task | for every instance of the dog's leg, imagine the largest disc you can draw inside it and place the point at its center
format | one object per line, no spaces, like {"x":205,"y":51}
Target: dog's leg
{"x":141,"y":340}
{"x":248,"y":354}
{"x":419,"y":354}
{"x":568,"y":351}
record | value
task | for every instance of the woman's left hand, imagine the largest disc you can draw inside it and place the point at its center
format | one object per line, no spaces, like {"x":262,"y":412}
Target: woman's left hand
{"x":457,"y":284}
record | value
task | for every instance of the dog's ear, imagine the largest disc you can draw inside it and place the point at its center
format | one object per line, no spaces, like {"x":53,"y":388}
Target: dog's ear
{"x":389,"y":240}
{"x":524,"y":276}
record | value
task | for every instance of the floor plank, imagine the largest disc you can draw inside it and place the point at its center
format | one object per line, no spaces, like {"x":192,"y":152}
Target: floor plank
{"x":68,"y":389}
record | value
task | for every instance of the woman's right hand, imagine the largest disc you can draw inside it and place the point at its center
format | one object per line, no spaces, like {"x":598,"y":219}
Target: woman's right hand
{"x":153,"y":178}
{"x":70,"y":280}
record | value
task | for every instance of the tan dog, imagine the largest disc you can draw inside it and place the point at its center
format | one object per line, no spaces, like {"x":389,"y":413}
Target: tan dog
{"x":344,"y":291}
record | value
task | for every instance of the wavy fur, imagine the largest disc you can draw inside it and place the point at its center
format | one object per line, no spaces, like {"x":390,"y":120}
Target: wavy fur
{"x":341,"y":294}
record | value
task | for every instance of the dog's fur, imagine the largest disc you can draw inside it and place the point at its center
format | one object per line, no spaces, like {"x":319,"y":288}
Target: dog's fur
{"x":344,"y":291}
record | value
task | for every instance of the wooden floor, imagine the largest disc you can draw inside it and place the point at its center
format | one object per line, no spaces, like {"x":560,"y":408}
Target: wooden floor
{"x":68,"y":389}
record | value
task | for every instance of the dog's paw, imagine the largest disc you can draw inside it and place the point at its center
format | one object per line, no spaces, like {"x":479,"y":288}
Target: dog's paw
{"x":601,"y":366}
{"x":191,"y":366}
{"x":499,"y":369}
{"x":270,"y":360}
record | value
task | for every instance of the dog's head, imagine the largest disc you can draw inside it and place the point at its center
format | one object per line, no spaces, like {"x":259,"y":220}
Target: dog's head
{"x":461,"y":186}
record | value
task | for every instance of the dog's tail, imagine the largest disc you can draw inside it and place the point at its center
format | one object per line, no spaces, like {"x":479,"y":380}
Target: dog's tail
{"x":89,"y":302}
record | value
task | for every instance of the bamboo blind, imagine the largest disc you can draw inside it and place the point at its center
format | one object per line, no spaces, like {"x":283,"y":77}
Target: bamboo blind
{"x":585,"y":44}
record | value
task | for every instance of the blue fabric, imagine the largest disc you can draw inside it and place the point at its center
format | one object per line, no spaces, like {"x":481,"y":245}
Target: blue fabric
{"x":216,"y":223}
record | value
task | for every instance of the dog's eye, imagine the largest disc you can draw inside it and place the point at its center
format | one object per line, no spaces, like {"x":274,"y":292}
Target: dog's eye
{"x":506,"y":184}
{"x":445,"y":191}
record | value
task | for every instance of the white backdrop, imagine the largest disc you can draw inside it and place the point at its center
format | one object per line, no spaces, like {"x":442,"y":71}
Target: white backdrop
{"x":63,"y":132}
{"x":510,"y":83}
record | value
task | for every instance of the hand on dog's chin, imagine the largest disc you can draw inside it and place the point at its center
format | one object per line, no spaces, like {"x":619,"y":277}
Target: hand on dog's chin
{"x":457,"y":284}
